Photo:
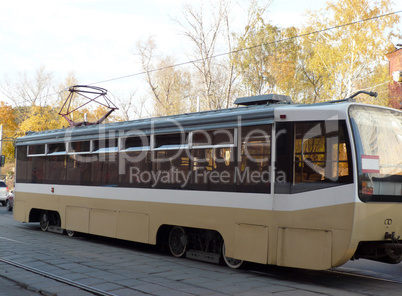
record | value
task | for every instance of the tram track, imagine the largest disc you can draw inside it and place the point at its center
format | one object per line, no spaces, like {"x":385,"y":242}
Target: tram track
{"x":329,"y":278}
{"x":322,"y":278}
{"x":363,"y":276}
{"x":57,"y":278}
{"x":347,"y":278}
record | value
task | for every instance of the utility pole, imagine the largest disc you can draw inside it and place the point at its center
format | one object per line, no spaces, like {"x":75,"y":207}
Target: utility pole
{"x":198,"y":104}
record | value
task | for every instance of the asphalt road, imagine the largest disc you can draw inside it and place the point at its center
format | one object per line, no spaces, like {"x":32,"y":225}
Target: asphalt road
{"x":125,"y":268}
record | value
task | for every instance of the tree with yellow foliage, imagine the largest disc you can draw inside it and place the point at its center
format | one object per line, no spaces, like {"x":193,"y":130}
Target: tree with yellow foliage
{"x":340,"y":50}
{"x":8,"y":121}
{"x":335,"y":63}
{"x":264,"y":62}
{"x":94,"y":114}
{"x":40,"y":119}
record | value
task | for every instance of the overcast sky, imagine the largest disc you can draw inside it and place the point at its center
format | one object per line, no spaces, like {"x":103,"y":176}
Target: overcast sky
{"x":96,"y":38}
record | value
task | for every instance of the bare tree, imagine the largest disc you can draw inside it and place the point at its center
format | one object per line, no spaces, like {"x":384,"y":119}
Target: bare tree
{"x":30,"y":93}
{"x":131,"y":106}
{"x":169,"y":86}
{"x":70,"y":80}
{"x":140,"y":110}
{"x":206,"y":32}
{"x":38,"y":90}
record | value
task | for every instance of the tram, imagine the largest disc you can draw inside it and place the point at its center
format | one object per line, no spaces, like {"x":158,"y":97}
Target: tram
{"x":269,"y":181}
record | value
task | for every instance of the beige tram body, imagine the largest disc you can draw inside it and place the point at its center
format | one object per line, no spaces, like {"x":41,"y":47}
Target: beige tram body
{"x":315,"y":228}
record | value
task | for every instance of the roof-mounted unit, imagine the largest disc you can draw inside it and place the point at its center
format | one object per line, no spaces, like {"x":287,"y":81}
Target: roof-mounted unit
{"x":264,"y":100}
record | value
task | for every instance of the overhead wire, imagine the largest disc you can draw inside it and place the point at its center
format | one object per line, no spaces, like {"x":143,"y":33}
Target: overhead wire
{"x":248,"y":48}
{"x":240,"y":49}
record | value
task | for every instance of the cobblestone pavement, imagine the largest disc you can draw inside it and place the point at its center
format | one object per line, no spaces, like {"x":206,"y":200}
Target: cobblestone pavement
{"x":124,"y":268}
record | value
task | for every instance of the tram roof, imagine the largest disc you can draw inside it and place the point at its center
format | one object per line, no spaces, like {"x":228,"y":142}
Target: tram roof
{"x":216,"y":119}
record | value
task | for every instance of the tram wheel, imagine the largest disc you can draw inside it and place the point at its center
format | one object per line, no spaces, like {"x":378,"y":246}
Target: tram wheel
{"x":70,"y":233}
{"x":44,"y":220}
{"x":231,"y":262}
{"x":394,"y":255}
{"x":8,"y":206}
{"x":177,"y":241}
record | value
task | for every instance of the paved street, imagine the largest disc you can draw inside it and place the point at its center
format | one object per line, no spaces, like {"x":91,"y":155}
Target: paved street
{"x":10,"y":288}
{"x":123,"y":268}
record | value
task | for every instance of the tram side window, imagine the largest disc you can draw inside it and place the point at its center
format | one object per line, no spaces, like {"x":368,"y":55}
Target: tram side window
{"x":170,"y":161}
{"x":37,"y":167}
{"x":171,"y":169}
{"x":253,"y":173}
{"x":79,"y":168}
{"x":79,"y":147}
{"x":22,"y":165}
{"x":283,"y":164}
{"x":136,"y":143}
{"x":56,"y":169}
{"x":104,"y":164}
{"x":213,"y":160}
{"x":309,"y":152}
{"x":221,"y":137}
{"x":36,"y":163}
{"x":135,"y":169}
{"x":37,"y":149}
{"x":321,"y":153}
{"x":135,"y":165}
{"x":110,"y":174}
{"x":170,"y":141}
{"x":312,"y":155}
{"x":104,"y":169}
{"x":105,"y":145}
{"x":79,"y":161}
{"x":57,"y":148}
{"x":56,"y":164}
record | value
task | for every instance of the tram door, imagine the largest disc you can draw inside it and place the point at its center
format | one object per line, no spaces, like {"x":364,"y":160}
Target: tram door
{"x":310,"y":156}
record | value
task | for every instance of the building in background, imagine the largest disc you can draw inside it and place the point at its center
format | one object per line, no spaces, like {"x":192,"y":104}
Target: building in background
{"x":395,"y":70}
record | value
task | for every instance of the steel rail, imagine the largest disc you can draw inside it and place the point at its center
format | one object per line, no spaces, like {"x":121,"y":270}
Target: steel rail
{"x":60,"y":279}
{"x":360,"y":275}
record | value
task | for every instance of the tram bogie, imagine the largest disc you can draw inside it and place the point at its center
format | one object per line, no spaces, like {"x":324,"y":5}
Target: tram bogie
{"x":387,"y":252}
{"x":199,"y":244}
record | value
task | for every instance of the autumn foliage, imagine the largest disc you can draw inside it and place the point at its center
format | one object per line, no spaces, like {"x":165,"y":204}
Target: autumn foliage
{"x":339,"y":50}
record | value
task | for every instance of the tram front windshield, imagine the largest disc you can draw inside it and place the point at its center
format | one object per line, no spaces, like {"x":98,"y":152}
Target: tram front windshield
{"x":378,"y":139}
